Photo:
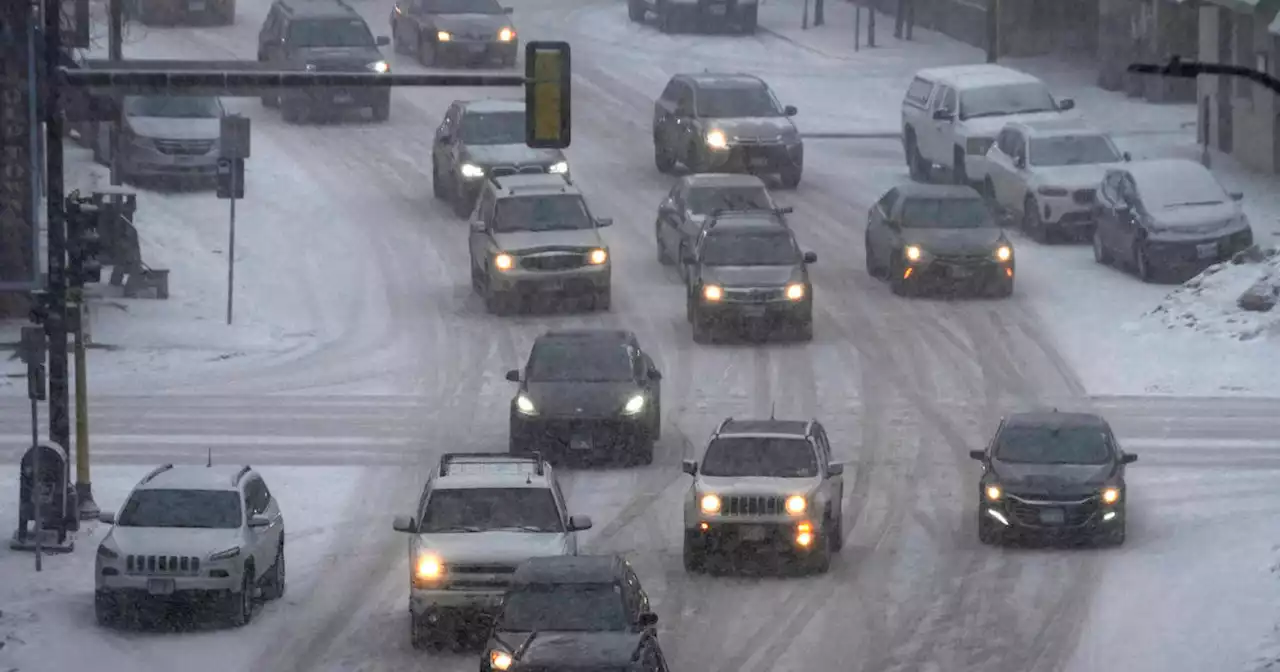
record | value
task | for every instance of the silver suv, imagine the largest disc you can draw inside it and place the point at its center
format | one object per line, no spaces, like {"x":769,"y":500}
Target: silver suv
{"x":210,"y":533}
{"x":765,"y":485}
{"x":533,"y":234}
{"x":480,"y":516}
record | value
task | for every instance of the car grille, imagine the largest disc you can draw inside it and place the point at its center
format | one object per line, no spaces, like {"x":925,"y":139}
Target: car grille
{"x":757,"y":139}
{"x":477,"y":36}
{"x":963,"y":259}
{"x":480,"y":576}
{"x":167,"y":565}
{"x":553,"y":261}
{"x":185,"y":147}
{"x":753,"y":505}
{"x":754,"y":294}
{"x":1026,"y":509}
{"x":1084,"y":196}
{"x":338,"y":67}
{"x":1072,"y":218}
{"x":499,"y":171}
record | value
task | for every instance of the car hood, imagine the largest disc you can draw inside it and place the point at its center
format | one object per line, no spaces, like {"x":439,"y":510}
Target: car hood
{"x":175,"y":128}
{"x":751,"y":276}
{"x":578,"y":650}
{"x":511,"y":155}
{"x":757,"y":485}
{"x":989,"y":127}
{"x":1051,"y":479}
{"x":478,"y":26}
{"x":1197,"y":220}
{"x":1087,"y":176}
{"x":172,"y":540}
{"x":768,"y":128}
{"x":956,"y":241}
{"x":532,"y":241}
{"x":580,"y":399}
{"x":352,"y":58}
{"x":494,"y":547}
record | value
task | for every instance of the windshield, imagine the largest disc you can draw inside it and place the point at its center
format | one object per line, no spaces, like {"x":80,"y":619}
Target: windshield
{"x":1005,"y":99}
{"x":461,"y":7}
{"x":561,"y":212}
{"x":1072,"y":150}
{"x":206,"y":509}
{"x":564,"y":607}
{"x":493,"y":128}
{"x":1176,"y":189}
{"x":562,"y":360}
{"x":173,"y":107}
{"x":737,"y":101}
{"x":945,"y":213}
{"x":754,"y":249}
{"x":330,"y":33}
{"x":746,"y":456}
{"x":486,"y":509}
{"x":703,"y":200}
{"x":1051,"y":445}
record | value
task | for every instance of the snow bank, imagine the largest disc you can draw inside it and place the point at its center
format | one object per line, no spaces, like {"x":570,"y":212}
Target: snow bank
{"x":1214,"y":302}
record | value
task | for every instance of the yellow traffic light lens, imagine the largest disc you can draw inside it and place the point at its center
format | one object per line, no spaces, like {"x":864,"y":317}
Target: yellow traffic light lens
{"x":547,"y":94}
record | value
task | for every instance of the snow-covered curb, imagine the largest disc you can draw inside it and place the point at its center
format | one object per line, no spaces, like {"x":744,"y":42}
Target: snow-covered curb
{"x":1233,"y":299}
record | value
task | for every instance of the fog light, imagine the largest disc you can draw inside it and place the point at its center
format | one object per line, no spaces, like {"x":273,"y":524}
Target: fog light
{"x":704,"y":527}
{"x":804,"y":539}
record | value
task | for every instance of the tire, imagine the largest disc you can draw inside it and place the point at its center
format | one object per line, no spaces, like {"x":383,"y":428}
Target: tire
{"x":872,"y":270}
{"x":804,"y":329}
{"x":271,"y":102}
{"x":958,"y":173}
{"x":499,"y":303}
{"x":106,"y":609}
{"x":750,"y":19}
{"x":1100,"y":253}
{"x":240,"y":605}
{"x":682,"y":267}
{"x":837,"y":533}
{"x":426,"y":53}
{"x":635,"y":11}
{"x":693,"y":159}
{"x":820,"y":561}
{"x":437,"y":187}
{"x":1114,"y":537}
{"x":419,"y":633}
{"x":663,"y":159}
{"x":382,"y":110}
{"x":694,"y":554}
{"x":790,"y":177}
{"x":919,"y":168}
{"x":602,"y":300}
{"x":988,"y":535}
{"x":664,"y":258}
{"x":397,"y":44}
{"x":1003,"y":289}
{"x":273,"y":588}
{"x":642,"y":454}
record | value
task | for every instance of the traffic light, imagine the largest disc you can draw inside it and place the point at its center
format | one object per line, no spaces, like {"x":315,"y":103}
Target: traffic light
{"x":84,"y":244}
{"x":546,"y":94}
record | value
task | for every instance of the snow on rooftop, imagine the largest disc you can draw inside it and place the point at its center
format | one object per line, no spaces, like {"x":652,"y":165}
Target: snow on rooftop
{"x":1208,"y":303}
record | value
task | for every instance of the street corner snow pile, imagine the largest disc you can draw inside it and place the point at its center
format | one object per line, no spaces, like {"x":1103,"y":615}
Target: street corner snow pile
{"x":1235,"y":299}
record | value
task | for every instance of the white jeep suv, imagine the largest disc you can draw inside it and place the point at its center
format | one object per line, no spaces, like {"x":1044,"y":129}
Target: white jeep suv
{"x":479,"y":517}
{"x":765,"y":485}
{"x":210,"y":533}
{"x":950,"y":116}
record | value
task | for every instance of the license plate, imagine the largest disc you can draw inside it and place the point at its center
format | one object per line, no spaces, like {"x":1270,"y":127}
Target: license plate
{"x":196,"y":6}
{"x":342,"y":98}
{"x":758,"y":161}
{"x":961,"y":272}
{"x":753,"y":311}
{"x":719,"y":9}
{"x":476,"y":49}
{"x":1052,"y":516}
{"x":752,"y":533}
{"x":160,"y":586}
{"x":1207,"y":251}
{"x":580,"y":443}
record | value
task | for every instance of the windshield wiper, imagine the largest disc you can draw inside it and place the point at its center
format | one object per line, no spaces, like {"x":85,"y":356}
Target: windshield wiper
{"x":457,"y":528}
{"x":519,"y":528}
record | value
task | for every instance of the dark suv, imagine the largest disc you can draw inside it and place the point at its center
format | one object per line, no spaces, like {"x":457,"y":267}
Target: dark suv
{"x":747,"y":270}
{"x":322,"y":36}
{"x":481,"y":139}
{"x":454,"y":31}
{"x":726,"y":122}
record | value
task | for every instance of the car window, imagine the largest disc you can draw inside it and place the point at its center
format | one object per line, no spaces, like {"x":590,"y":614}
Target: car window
{"x":1053,"y":445}
{"x":945,"y":213}
{"x":758,"y":456}
{"x":206,"y":509}
{"x":256,"y":496}
{"x":721,"y":102}
{"x":1072,"y":150}
{"x":947,"y":101}
{"x":556,"y":212}
{"x":483,"y":509}
{"x":566,"y":607}
{"x":702,"y":200}
{"x":173,"y":107}
{"x":493,"y":128}
{"x":918,"y":92}
{"x":562,"y":501}
{"x":461,"y":7}
{"x":1020,"y":98}
{"x":887,"y":201}
{"x":672,"y":92}
{"x":330,"y":33}
{"x":750,"y":249}
{"x":571,"y":360}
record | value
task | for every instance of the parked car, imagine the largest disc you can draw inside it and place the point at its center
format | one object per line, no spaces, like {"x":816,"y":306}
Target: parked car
{"x":701,"y":16}
{"x":164,"y":137}
{"x":1168,"y":216}
{"x":171,"y":12}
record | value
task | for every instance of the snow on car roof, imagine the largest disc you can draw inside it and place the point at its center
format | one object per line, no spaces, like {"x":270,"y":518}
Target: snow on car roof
{"x":975,"y":76}
{"x":493,"y":105}
{"x":1048,"y":128}
{"x":185,"y":477}
{"x":723,"y":180}
{"x":1169,"y":171}
{"x":726,"y":79}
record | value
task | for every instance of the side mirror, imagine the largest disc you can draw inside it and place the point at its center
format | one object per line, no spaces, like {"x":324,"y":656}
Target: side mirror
{"x":786,"y":211}
{"x":835,"y":468}
{"x":655,"y":374}
{"x":1129,"y":458}
{"x":257,"y":522}
{"x":579,"y":523}
{"x":942,"y":115}
{"x":107,"y":517}
{"x":404,"y":524}
{"x":648,"y":619}
{"x":1066,"y":104}
{"x":810,"y":257}
{"x":604,"y":221}
{"x":689,"y":467}
{"x":790,"y":111}
{"x":513,"y":375}
{"x":979,"y":455}
{"x":1237,"y":195}
{"x":1127,"y":156}
{"x":382,"y":41}
{"x":508,"y":10}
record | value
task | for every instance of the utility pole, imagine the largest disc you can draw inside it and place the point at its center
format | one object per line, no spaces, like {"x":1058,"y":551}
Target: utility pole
{"x":993,"y":30}
{"x":56,"y":323}
{"x":115,"y":53}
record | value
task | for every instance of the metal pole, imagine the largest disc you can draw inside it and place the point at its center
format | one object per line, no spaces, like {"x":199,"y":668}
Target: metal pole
{"x":857,"y":27}
{"x":84,"y":488}
{"x":115,"y":52}
{"x":59,"y":401}
{"x":804,"y":18}
{"x":231,"y":246}
{"x":37,"y":503}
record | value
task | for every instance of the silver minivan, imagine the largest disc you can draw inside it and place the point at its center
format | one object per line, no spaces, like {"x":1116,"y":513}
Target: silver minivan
{"x":173,"y":137}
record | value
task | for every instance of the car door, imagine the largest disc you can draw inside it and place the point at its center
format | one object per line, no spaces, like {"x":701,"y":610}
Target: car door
{"x":877,"y":234}
{"x":480,"y":236}
{"x":937,"y":145}
{"x":445,"y":136}
{"x":668,"y":224}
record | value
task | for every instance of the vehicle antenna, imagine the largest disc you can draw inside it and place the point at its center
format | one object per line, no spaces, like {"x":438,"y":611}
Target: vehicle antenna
{"x":773,"y":406}
{"x":209,"y":461}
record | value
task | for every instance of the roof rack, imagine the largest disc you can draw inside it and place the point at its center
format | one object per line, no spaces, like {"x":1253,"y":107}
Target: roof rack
{"x":156,"y":472}
{"x":721,"y":426}
{"x":808,"y":426}
{"x":539,"y":465}
{"x":235,"y":480}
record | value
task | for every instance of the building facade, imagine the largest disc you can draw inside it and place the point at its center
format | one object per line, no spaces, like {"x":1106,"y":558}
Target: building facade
{"x":1236,"y":116}
{"x":1146,"y":31}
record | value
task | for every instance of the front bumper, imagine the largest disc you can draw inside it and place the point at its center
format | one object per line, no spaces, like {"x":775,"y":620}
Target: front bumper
{"x":751,"y":536}
{"x":758,"y":158}
{"x":1196,"y":255}
{"x":455,"y":604}
{"x":1052,"y":517}
{"x":141,"y":160}
{"x":975,"y":271}
{"x":565,"y":436}
{"x":338,"y":98}
{"x":729,"y":313}
{"x":1073,"y":212}
{"x":581,"y":281}
{"x":477,"y":51}
{"x":174,"y":585}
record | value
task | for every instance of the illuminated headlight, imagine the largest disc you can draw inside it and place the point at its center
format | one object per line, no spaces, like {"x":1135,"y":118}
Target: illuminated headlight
{"x":503,"y":262}
{"x":634,"y":405}
{"x":428,"y":568}
{"x":499,"y":660}
{"x":471,"y":170}
{"x":1052,"y":191}
{"x":716,"y":140}
{"x":310,"y":67}
{"x":443,"y":36}
{"x":598,"y":257}
{"x":914,"y":252}
{"x":795,"y":291}
{"x":506,"y":35}
{"x":993,"y":493}
{"x":380,"y":67}
{"x":1111,"y":495}
{"x":559,"y":168}
{"x":225,"y":555}
{"x":1004,"y":253}
{"x":525,"y":405}
{"x":710,"y":504}
{"x":796,"y":505}
{"x":712,"y":293}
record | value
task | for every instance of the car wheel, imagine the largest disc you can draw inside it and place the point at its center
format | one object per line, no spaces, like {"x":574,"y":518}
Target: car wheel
{"x":240,"y":605}
{"x":663,"y":257}
{"x":682,"y":267}
{"x":695,"y":159}
{"x":898,"y":284}
{"x":292,"y":112}
{"x":694,"y":553}
{"x":437,"y":186}
{"x":1100,"y":253}
{"x":642,"y":450}
{"x":1114,"y":536}
{"x":1142,"y":265}
{"x":270,"y":101}
{"x":426,"y":52}
{"x":837,"y":533}
{"x":421,"y":634}
{"x":919,"y":168}
{"x":1003,"y":288}
{"x":987,"y":532}
{"x":790,"y":177}
{"x":635,"y":11}
{"x":382,"y":109}
{"x":274,"y":587}
{"x":804,"y":329}
{"x":663,"y":159}
{"x":872,"y":269}
{"x":499,"y":303}
{"x":820,"y":558}
{"x":461,"y":204}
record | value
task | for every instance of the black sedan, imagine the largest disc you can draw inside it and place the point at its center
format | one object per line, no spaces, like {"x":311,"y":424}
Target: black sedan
{"x":937,"y":235}
{"x":1053,"y":475}
{"x":1167,"y":217}
{"x":587,"y":393}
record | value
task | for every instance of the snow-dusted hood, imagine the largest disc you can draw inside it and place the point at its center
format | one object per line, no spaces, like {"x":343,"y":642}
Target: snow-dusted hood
{"x":189,"y":541}
{"x":757,"y":485}
{"x":532,"y":241}
{"x":474,"y":26}
{"x":989,"y":127}
{"x":494,"y":547}
{"x":1198,"y":220}
{"x":1052,"y":479}
{"x":176,"y":128}
{"x":768,"y":128}
{"x":752,"y":276}
{"x":576,"y":650}
{"x":956,"y":241}
{"x":511,"y":155}
{"x":1086,"y":176}
{"x":581,"y":400}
